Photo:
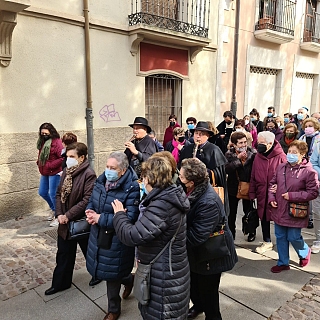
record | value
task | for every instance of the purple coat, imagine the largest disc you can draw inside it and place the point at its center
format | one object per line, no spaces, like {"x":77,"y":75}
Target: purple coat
{"x":302,"y":186}
{"x":263,"y":169}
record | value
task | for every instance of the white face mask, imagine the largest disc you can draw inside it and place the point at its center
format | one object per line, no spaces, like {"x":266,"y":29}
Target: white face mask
{"x":71,"y":162}
{"x":239,"y":130}
{"x":246,"y":122}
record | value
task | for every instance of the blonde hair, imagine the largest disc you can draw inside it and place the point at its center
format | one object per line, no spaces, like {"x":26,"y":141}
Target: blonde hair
{"x":168,"y":156}
{"x":177,"y":131}
{"x":314,"y":121}
{"x":158,"y":171}
{"x":212,"y":128}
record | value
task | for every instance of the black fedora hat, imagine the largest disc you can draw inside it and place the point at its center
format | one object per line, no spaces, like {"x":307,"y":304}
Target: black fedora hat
{"x":142,"y":122}
{"x":202,"y":126}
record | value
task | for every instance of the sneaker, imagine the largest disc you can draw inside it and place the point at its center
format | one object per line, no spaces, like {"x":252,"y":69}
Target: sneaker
{"x":54,"y":223}
{"x":304,"y":262}
{"x":265,"y":246}
{"x":50,"y":216}
{"x":278,"y":269}
{"x":315,"y":248}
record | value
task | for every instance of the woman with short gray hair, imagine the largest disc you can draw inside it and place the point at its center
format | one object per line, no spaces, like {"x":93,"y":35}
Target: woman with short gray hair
{"x":108,"y":258}
{"x":268,"y":158}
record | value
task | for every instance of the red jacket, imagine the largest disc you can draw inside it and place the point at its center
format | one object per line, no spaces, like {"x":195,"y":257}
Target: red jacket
{"x":263,"y":170}
{"x":301,"y":183}
{"x":53,"y":164}
{"x":168,"y":135}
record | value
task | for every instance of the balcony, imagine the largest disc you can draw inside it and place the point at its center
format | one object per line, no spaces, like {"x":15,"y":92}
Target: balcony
{"x":311,"y":33}
{"x":180,"y":22}
{"x":276,"y":21}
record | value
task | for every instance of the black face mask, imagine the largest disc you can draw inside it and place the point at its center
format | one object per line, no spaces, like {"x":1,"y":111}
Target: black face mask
{"x":181,"y":139}
{"x":262,"y":148}
{"x":45,"y":138}
{"x":172,"y":123}
{"x":228,"y":122}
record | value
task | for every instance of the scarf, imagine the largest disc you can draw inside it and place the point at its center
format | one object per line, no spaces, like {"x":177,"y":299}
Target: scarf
{"x":45,"y":151}
{"x":67,"y":183}
{"x":175,"y":151}
{"x":288,"y":141}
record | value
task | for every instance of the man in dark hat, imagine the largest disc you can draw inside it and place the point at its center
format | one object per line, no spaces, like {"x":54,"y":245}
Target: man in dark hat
{"x":209,"y":154}
{"x":141,"y":146}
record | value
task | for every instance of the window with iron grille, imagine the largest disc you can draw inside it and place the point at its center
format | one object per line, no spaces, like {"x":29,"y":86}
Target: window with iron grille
{"x":262,"y":70}
{"x":304,"y":75}
{"x":163,"y":97}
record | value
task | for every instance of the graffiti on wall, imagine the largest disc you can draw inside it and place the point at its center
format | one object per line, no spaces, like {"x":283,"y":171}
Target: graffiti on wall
{"x":108,"y":113}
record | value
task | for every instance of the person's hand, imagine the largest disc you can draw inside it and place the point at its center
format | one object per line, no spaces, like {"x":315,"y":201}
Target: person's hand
{"x":273,"y":188}
{"x":131,"y":147}
{"x":222,"y":136}
{"x":180,"y":147}
{"x":242,"y":155}
{"x":274,"y":204}
{"x":117,"y":206}
{"x":62,"y":219}
{"x":92,"y":216}
{"x":285,"y":196}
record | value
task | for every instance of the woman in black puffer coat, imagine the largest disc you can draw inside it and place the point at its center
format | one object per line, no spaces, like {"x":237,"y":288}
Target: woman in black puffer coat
{"x":205,"y":217}
{"x":161,"y":213}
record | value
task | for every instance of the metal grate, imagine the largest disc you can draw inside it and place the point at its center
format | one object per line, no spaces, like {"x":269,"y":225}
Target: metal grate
{"x":261,"y":70}
{"x":53,"y":233}
{"x":305,"y":75}
{"x":163,"y":97}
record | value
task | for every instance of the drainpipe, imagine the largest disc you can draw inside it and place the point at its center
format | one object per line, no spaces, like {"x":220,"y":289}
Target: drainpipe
{"x":89,"y":112}
{"x":235,"y":60}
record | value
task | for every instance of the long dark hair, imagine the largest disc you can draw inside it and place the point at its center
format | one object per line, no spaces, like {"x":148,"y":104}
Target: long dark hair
{"x":53,"y":132}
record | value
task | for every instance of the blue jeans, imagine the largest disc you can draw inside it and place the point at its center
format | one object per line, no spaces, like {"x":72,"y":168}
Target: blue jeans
{"x":47,"y":189}
{"x":293,"y":235}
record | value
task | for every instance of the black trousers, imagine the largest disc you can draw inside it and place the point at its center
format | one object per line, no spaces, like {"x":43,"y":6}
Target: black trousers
{"x":265,"y":226}
{"x":113,"y":290}
{"x":65,"y":259}
{"x":204,"y":294}
{"x":233,"y":204}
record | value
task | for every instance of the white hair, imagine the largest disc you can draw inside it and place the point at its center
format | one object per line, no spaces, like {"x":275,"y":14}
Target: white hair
{"x":121,"y":158}
{"x":267,"y":135}
{"x":304,"y":110}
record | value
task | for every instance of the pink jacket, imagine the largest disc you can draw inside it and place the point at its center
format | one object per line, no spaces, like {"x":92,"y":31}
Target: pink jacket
{"x":53,"y":164}
{"x":301,"y":183}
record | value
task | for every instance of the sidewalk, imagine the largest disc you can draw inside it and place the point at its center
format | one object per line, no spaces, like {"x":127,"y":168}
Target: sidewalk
{"x":250,"y":291}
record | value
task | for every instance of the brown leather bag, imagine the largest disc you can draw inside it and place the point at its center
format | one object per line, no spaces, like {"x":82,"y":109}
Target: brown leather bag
{"x":218,"y":190}
{"x":243,"y":190}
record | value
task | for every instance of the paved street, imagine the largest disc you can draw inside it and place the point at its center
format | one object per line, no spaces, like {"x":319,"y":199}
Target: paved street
{"x":250,"y":291}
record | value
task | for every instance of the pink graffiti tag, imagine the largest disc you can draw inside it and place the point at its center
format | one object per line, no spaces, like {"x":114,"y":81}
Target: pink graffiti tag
{"x":108,"y":114}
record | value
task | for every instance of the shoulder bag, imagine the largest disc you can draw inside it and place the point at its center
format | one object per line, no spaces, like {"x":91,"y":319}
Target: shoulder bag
{"x":213,"y":248}
{"x":141,"y":284}
{"x":218,"y":190}
{"x":243,"y":189}
{"x":296,"y":209}
{"x":79,"y":229}
{"x":250,"y":220}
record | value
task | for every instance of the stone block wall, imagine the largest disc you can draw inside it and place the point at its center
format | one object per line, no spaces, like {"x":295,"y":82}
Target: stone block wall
{"x":19,"y":175}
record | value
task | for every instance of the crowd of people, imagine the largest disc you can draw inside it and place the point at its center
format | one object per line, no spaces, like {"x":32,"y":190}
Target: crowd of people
{"x":175,"y":205}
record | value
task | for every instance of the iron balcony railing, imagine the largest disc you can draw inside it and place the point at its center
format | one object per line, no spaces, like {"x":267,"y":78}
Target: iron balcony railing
{"x":187,"y":16}
{"x":312,"y":27}
{"x":277,"y":15}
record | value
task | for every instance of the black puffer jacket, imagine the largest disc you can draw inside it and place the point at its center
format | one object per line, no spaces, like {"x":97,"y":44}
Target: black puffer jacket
{"x":156,"y":227}
{"x":205,"y":215}
{"x":235,"y":166}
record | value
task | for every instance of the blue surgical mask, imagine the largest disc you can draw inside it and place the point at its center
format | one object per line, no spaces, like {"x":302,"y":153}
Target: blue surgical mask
{"x":270,"y":114}
{"x":300,"y":116}
{"x":111,"y":175}
{"x":286,"y":120}
{"x":190,"y":126}
{"x":143,"y":189}
{"x":292,"y":158}
{"x":253,"y":119}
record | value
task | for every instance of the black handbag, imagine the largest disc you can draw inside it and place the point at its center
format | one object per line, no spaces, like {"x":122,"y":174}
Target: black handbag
{"x":250,"y":220}
{"x":213,"y":248}
{"x":141,"y":283}
{"x":79,"y":229}
{"x":105,"y":238}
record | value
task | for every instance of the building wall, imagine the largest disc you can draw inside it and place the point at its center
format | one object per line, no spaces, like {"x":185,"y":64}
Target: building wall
{"x":46,"y":82}
{"x":288,"y":58}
